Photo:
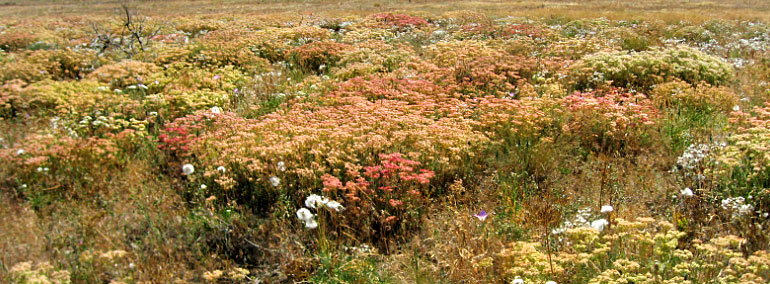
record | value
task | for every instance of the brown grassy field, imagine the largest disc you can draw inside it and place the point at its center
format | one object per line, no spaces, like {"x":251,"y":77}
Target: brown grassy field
{"x":670,"y":11}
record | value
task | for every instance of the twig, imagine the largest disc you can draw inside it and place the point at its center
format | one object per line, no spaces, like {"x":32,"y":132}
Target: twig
{"x":261,"y":247}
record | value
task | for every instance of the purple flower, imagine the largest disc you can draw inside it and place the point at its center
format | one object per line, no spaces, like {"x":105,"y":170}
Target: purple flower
{"x":482,"y":215}
{"x":216,"y":77}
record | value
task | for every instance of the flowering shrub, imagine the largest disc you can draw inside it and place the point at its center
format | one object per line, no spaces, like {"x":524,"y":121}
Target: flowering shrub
{"x":462,"y":17}
{"x":313,"y":56}
{"x":65,"y":63}
{"x":389,"y":88}
{"x":10,"y":97}
{"x":384,"y":201}
{"x":184,"y":77}
{"x":362,"y":32}
{"x":32,"y":66}
{"x":316,"y":140}
{"x":194,"y":26}
{"x":451,"y":53}
{"x":641,"y":250}
{"x":165,"y":54}
{"x":577,"y":48}
{"x":177,"y":136}
{"x":691,"y":111}
{"x":524,"y":30}
{"x":370,"y":57}
{"x":228,"y":47}
{"x":743,"y":163}
{"x":44,"y":272}
{"x":635,"y":251}
{"x":492,"y":75}
{"x":645,"y":69}
{"x":124,"y":73}
{"x":273,"y":44}
{"x":702,"y":98}
{"x":176,"y":104}
{"x":526,"y":118}
{"x":16,"y":39}
{"x":312,"y":140}
{"x":82,"y":108}
{"x":609,"y":122}
{"x":400,"y":22}
{"x":61,"y":164}
{"x":472,"y":67}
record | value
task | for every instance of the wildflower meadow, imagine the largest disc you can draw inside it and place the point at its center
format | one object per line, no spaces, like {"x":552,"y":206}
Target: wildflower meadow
{"x":584,"y":142}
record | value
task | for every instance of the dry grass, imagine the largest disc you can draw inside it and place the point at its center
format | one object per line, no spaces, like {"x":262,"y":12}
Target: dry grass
{"x":141,"y":218}
{"x":668,"y":11}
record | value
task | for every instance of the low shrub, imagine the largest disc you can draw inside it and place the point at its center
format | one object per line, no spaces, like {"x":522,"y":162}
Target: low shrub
{"x":642,"y":70}
{"x":314,"y":56}
{"x":610,"y":123}
{"x":383,"y":203}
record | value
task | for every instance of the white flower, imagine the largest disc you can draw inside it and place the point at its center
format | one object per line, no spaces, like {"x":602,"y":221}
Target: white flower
{"x":736,"y":108}
{"x":686,"y":192}
{"x":39,"y":169}
{"x":607,"y":209}
{"x":304,"y":214}
{"x":20,"y":152}
{"x":221,"y":169}
{"x":216,"y":110}
{"x":275,"y":181}
{"x":551,"y":282}
{"x":154,"y":113}
{"x":281,"y":166}
{"x":599,"y":224}
{"x":311,"y":224}
{"x":745,"y":209}
{"x":517,"y":280}
{"x":188,"y":169}
{"x":335,"y":205}
{"x":203,"y":186}
{"x":312,"y":200}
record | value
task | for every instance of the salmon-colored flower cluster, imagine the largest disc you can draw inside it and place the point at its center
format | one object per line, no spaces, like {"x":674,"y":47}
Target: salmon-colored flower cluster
{"x":384,"y":199}
{"x":610,"y":121}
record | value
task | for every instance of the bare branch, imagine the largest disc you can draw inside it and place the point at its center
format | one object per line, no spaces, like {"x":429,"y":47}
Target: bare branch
{"x":133,"y":35}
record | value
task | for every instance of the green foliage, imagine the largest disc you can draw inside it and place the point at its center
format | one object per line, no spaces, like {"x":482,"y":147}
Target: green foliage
{"x":691,"y":111}
{"x":645,"y":69}
{"x":344,"y":268}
